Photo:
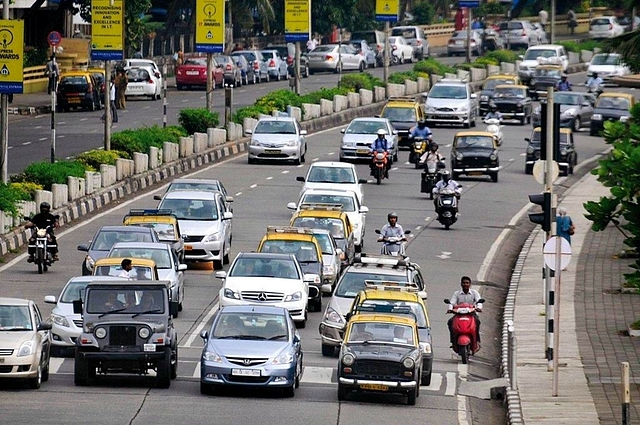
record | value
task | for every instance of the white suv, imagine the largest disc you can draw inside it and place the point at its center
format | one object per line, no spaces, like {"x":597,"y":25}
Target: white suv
{"x":541,"y":54}
{"x":451,"y":101}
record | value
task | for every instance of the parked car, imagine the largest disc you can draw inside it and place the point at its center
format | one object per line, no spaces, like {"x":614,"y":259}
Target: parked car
{"x":98,"y":75}
{"x":288,"y":53}
{"x":611,"y":106}
{"x":247,"y":73}
{"x":542,"y":35}
{"x":193,"y":73}
{"x":335,"y":58}
{"x":376,"y":40}
{"x":142,"y":82}
{"x":77,"y":89}
{"x":548,"y":54}
{"x":277,"y":139}
{"x":608,"y":66}
{"x":359,"y":136}
{"x":232,"y":74}
{"x":568,"y":155}
{"x":457,"y":44}
{"x":363,"y":49}
{"x":518,"y":34}
{"x":513,"y":102}
{"x":142,"y":63}
{"x":416,"y":38}
{"x":451,"y":101}
{"x":576,"y":109}
{"x":277,"y":67}
{"x":257,"y":71}
{"x":475,"y":153}
{"x":605,"y":27}
{"x":401,"y":51}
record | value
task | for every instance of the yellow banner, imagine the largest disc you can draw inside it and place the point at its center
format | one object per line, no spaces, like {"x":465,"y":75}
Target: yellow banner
{"x":387,"y":10}
{"x":11,"y":55}
{"x":297,"y":20}
{"x":107,"y":24}
{"x":210,"y":26}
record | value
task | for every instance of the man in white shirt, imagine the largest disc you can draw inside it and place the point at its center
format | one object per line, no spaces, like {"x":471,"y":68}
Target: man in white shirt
{"x":125,"y":273}
{"x":465,"y":295}
{"x":311,"y":44}
{"x":543,"y":18}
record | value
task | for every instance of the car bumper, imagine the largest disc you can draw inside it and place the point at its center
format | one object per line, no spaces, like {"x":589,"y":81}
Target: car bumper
{"x":14,"y":367}
{"x":122,"y":356}
{"x":203,"y":251}
{"x":393,"y":386}
{"x":191,"y":81}
{"x":601,"y":34}
{"x":460,"y":49}
{"x":284,"y":153}
{"x":296,"y":308}
{"x":353,"y":153}
{"x":270,"y":375}
{"x":273,"y":71}
{"x":322,"y":66}
{"x":525,"y":75}
{"x":448,"y":118}
{"x":330,"y":334}
{"x":62,"y":336}
{"x":475,"y":170}
{"x":147,"y":90}
{"x":512,"y":115}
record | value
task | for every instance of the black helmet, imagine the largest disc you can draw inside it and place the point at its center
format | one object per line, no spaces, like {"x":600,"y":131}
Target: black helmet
{"x":433,"y":146}
{"x":392,"y":215}
{"x":564,"y":76}
{"x":594,"y":74}
{"x":422,"y":123}
{"x":45,"y":207}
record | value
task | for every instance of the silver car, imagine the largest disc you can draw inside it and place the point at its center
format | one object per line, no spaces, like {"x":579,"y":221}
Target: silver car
{"x":331,"y":257}
{"x":451,"y":101}
{"x":166,"y":259}
{"x":336,"y":58}
{"x":360,"y":134}
{"x":518,"y":33}
{"x":257,"y":62}
{"x":276,"y":66}
{"x":415,"y":37}
{"x":365,"y":50}
{"x":278,"y":139}
{"x":457,"y":44}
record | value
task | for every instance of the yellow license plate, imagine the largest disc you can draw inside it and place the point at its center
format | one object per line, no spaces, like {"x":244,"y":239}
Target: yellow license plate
{"x":74,"y":100}
{"x":475,"y":173}
{"x":374,"y":387}
{"x":188,"y":247}
{"x":362,"y":151}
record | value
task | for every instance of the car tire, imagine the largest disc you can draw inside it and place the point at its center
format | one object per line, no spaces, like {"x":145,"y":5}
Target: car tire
{"x":81,"y":372}
{"x":174,"y":364}
{"x":342,"y":393}
{"x":328,"y":350}
{"x":268,"y":78}
{"x":217,"y":264}
{"x":163,"y":377}
{"x":338,"y":69}
{"x":523,"y":120}
{"x":361,"y":67}
{"x":528,"y":169}
{"x":494,"y":177}
{"x":179,"y":87}
{"x":576,"y":124}
{"x":205,"y":389}
{"x":45,"y":372}
{"x":412,"y":395}
{"x":303,"y":324}
{"x":426,"y":380}
{"x":306,"y":71}
{"x":34,"y":383}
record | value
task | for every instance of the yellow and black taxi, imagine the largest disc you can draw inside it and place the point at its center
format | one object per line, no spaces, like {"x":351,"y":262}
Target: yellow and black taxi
{"x":486,"y":94}
{"x":98,"y":75}
{"x":404,"y":112}
{"x":475,"y":153}
{"x":380,"y":353}
{"x":332,"y":218}
{"x":391,"y":298}
{"x":142,"y":268}
{"x":163,"y":222}
{"x":77,"y":89}
{"x":302,"y":243}
{"x":611,"y":106}
{"x":513,"y":102}
{"x":545,"y":76}
{"x":568,"y":156}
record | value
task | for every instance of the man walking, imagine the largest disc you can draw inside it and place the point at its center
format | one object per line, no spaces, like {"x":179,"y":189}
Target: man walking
{"x":53,"y":72}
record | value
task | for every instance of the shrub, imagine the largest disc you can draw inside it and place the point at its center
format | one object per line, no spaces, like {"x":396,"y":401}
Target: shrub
{"x":355,"y":82}
{"x":141,"y":139}
{"x":47,"y":174}
{"x":93,"y":158}
{"x":465,"y":66}
{"x":248,"y":112}
{"x":432,"y":66}
{"x":9,"y":196}
{"x":483,"y":61}
{"x":424,"y":13}
{"x":576,"y":47}
{"x":198,"y":120}
{"x":503,"y":56}
{"x":26,"y":189}
{"x":399,"y":77}
{"x":323,"y":93}
{"x":278,"y":100}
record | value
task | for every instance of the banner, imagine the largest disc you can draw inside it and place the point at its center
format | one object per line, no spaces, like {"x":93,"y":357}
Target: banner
{"x":297,"y":20}
{"x":107,"y":26}
{"x":11,"y":55}
{"x":209,"y":26}
{"x":387,"y":10}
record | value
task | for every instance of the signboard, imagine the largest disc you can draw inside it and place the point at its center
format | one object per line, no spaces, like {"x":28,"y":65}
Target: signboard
{"x":107,"y":25}
{"x":550,"y":252}
{"x":464,"y":3}
{"x":209,"y":26}
{"x":54,"y":38}
{"x":387,"y":10}
{"x":11,"y":55}
{"x":297,"y":20}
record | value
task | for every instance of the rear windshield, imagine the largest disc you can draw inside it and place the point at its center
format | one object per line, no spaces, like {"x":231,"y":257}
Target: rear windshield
{"x":369,"y":37}
{"x":613,"y":103}
{"x":404,"y":32}
{"x":73,"y":81}
{"x":601,"y":21}
{"x":491,"y":84}
{"x":352,"y":283}
{"x":399,"y":114}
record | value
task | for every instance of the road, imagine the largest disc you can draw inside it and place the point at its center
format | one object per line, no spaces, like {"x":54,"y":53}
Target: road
{"x":261,"y":196}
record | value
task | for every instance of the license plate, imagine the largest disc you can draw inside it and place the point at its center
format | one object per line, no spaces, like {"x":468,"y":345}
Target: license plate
{"x":134,"y":88}
{"x":73,"y":100}
{"x":374,"y":387}
{"x":475,"y":173}
{"x":149,"y":347}
{"x":363,"y":151}
{"x":272,"y":151}
{"x":188,"y":247}
{"x":245,"y":372}
{"x":192,"y":73}
{"x":459,"y":43}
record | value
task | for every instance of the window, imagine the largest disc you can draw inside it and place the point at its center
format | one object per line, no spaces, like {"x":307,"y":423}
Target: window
{"x":15,"y":318}
{"x":256,"y":325}
{"x":275,"y":127}
{"x":347,"y":202}
{"x":474,"y":141}
{"x":383,"y":332}
{"x":352,"y":283}
{"x":399,"y":114}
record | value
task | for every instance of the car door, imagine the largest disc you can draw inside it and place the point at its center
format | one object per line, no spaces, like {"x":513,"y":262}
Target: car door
{"x":43,"y":336}
{"x":301,"y":139}
{"x":354,"y":58}
{"x":226,"y":225}
{"x":586,"y":110}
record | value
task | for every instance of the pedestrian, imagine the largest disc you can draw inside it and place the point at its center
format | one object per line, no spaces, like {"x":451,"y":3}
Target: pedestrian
{"x":572,"y":20}
{"x":476,"y":25}
{"x":564,"y":225}
{"x":543,"y":18}
{"x":178,"y":58}
{"x":52,"y":70}
{"x":112,"y":102}
{"x":459,"y":20}
{"x":121,"y":87}
{"x":311,"y":44}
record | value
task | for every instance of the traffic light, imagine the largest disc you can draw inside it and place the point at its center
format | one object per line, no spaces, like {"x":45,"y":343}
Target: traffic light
{"x":543,"y":218}
{"x":543,"y":131}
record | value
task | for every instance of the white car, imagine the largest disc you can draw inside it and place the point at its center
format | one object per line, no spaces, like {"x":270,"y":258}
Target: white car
{"x":277,"y":139}
{"x":143,"y":82}
{"x":204,"y":222}
{"x":607,"y":65}
{"x":541,"y":54}
{"x":136,"y":63}
{"x":401,"y":51}
{"x":332,"y":175}
{"x":359,"y":136}
{"x":451,"y":101}
{"x":605,"y":27}
{"x":67,"y":325}
{"x":259,"y":278}
{"x":350,"y":204}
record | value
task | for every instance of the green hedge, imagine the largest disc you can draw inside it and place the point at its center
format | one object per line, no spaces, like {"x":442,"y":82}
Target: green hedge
{"x":198,"y":120}
{"x":141,"y":139}
{"x":364,"y":80}
{"x":573,"y":46}
{"x":400,"y":77}
{"x":10,"y":195}
{"x":46,"y":174}
{"x":94,"y":158}
{"x":503,"y":56}
{"x":432,"y":66}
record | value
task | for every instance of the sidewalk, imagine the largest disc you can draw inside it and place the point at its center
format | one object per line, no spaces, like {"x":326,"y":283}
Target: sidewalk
{"x":590,"y":354}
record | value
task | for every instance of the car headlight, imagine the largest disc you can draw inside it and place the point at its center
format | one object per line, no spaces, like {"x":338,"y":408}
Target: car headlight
{"x":230,"y":293}
{"x":408,"y":363}
{"x":332,"y":316}
{"x":89,"y":262}
{"x":291,"y":143}
{"x":431,"y":109}
{"x":283,"y":358}
{"x":144,"y":333}
{"x":214,"y":237}
{"x":355,"y":226}
{"x":537,"y":111}
{"x":596,"y":117}
{"x":348,"y":359}
{"x":100,"y":333}
{"x":26,"y":349}
{"x":624,"y":118}
{"x":255,"y":142}
{"x":570,"y":112}
{"x":493,"y":157}
{"x":464,"y":108}
{"x":60,"y":320}
{"x":296,"y":296}
{"x":425,"y":347}
{"x":329,"y":269}
{"x":533,"y":81}
{"x":212,"y":356}
{"x":459,"y":156}
{"x":530,"y":150}
{"x":349,"y":144}
{"x":484,"y":98}
{"x":519,"y":105}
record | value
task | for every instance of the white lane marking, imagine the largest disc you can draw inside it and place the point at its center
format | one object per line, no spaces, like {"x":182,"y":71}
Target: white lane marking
{"x":10,"y":147}
{"x":315,"y":159}
{"x":201,"y":326}
{"x":427,"y":218}
{"x":418,"y":227}
{"x":238,"y":194}
{"x":445,"y":255}
{"x":451,"y":384}
{"x":253,"y":186}
{"x":523,"y":154}
{"x":54,"y":364}
{"x":331,"y":153}
{"x":285,"y":172}
{"x":394,"y":168}
{"x":25,"y":143}
{"x":42,"y":138}
{"x":301,"y":165}
{"x":196,"y":372}
{"x":462,"y":400}
{"x":436,"y":383}
{"x":317,"y":375}
{"x":511,"y":159}
{"x":83,"y":119}
{"x":407,"y":163}
{"x":62,"y":136}
{"x":269,"y":178}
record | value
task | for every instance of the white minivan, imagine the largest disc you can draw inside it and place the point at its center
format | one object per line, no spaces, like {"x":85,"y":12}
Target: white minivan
{"x":541,"y":54}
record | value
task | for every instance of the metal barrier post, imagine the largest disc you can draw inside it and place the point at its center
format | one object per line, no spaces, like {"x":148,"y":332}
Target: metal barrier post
{"x":513,"y":370}
{"x":626,"y":395}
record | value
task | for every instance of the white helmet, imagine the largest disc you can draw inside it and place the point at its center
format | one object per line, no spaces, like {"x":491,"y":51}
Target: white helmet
{"x":382,"y":132}
{"x":445,"y":175}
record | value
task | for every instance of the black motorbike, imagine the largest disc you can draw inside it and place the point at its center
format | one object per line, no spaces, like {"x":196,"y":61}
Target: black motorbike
{"x":42,"y":243}
{"x":447,"y":207}
{"x":430,"y":176}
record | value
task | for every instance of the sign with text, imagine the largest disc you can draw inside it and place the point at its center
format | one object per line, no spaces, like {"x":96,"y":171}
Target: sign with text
{"x":210,"y":26}
{"x":387,"y":10}
{"x":297,"y":20}
{"x":107,"y":29}
{"x":470,"y":4}
{"x":11,"y":55}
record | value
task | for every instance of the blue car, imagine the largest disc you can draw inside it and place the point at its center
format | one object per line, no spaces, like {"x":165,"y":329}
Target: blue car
{"x":251,"y":346}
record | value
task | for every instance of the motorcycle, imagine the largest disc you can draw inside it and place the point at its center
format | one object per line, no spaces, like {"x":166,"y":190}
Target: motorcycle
{"x":394,"y":245}
{"x":464,"y":330}
{"x":43,"y":257}
{"x":595,"y":89}
{"x":447,"y":207}
{"x":419,"y":146}
{"x":380,"y":159}
{"x":430,"y":176}
{"x":494,"y":126}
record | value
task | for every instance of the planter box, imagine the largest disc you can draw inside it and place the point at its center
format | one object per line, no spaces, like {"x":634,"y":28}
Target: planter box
{"x":634,"y":332}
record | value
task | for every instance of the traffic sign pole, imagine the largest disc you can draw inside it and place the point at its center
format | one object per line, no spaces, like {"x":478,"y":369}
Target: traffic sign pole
{"x":54,"y":39}
{"x":4,"y":115}
{"x":556,"y":316}
{"x":548,"y":292}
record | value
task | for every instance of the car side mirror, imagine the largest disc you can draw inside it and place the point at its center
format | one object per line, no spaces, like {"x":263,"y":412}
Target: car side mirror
{"x":173,"y":308}
{"x":481,"y":300}
{"x":300,"y":179}
{"x":77,"y":306}
{"x":292,"y":206}
{"x":83,"y":247}
{"x":364,"y":209}
{"x":50,"y":299}
{"x":473,"y":95}
{"x":343,"y":130}
{"x":326,"y":288}
{"x":227,"y":215}
{"x":528,"y":140}
{"x":229,"y":198}
{"x":220,"y":274}
{"x":44,"y":326}
{"x":446,"y":301}
{"x":587,"y":104}
{"x":182,"y":267}
{"x":362,"y":181}
{"x":157,"y":197}
{"x":248,"y":131}
{"x":422,"y":294}
{"x":348,"y":316}
{"x":303,"y":132}
{"x":204,"y":335}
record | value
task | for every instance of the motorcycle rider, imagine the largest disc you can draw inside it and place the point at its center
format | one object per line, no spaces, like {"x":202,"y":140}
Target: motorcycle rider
{"x":41,"y":221}
{"x":392,"y":229}
{"x":431,"y":156}
{"x":420,"y":130}
{"x":563,"y":84}
{"x":594,"y":83}
{"x":446,"y":182}
{"x":493,"y":113}
{"x":468,"y":296}
{"x":381,"y":143}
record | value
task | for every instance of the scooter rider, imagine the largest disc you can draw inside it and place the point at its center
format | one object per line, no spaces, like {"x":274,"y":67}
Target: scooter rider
{"x":392,"y":228}
{"x":431,"y":156}
{"x":446,"y":182}
{"x":493,"y":113}
{"x":468,"y":296}
{"x":421,"y":130}
{"x":42,"y":220}
{"x":381,"y":143}
{"x":563,"y":84}
{"x":594,"y":83}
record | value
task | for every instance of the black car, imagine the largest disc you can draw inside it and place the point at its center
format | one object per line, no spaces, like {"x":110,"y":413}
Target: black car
{"x":489,"y":86}
{"x":544,"y":76}
{"x":78,"y":90}
{"x":513,"y":102}
{"x":568,"y":155}
{"x":475,"y":153}
{"x":576,"y":109}
{"x":287,"y":52}
{"x":610,"y":107}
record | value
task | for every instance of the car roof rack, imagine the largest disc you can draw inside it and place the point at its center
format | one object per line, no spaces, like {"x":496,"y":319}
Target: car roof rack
{"x":324,"y":207}
{"x":384,"y":308}
{"x":387,"y":285}
{"x":382,"y":260}
{"x":407,"y":97}
{"x":289,"y":229}
{"x":137,"y":212}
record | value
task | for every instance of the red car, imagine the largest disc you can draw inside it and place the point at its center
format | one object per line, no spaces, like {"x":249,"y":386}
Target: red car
{"x":193,"y":72}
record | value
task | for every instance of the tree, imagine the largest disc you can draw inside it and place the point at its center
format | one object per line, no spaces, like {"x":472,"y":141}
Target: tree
{"x":620,"y":171}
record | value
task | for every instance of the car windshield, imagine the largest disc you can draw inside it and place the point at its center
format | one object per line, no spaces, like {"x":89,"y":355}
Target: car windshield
{"x":389,"y":306}
{"x":399,"y":114}
{"x":15,"y":318}
{"x":485,"y":142}
{"x":275,"y":127}
{"x":196,"y":61}
{"x":324,"y":49}
{"x":126,"y":300}
{"x":331,"y":175}
{"x":442,"y":91}
{"x":192,"y":209}
{"x":404,"y":32}
{"x":334,"y":225}
{"x":265,"y":267}
{"x":548,"y":72}
{"x":352,"y":283}
{"x":206,"y":186}
{"x":533,"y":54}
{"x":251,"y":326}
{"x":380,"y":332}
{"x":73,"y":291}
{"x":224,"y":59}
{"x":304,"y":251}
{"x":162,"y":257}
{"x":365,"y":127}
{"x":105,"y":240}
{"x":601,"y":21}
{"x":115,"y":270}
{"x":508,"y":92}
{"x":536,"y":138}
{"x":269,"y":55}
{"x":565,"y":98}
{"x":73,"y":81}
{"x":617,"y":103}
{"x":250,"y":56}
{"x":347,"y":202}
{"x":325,"y":242}
{"x":165,"y":231}
{"x":491,"y":84}
{"x":605,"y":59}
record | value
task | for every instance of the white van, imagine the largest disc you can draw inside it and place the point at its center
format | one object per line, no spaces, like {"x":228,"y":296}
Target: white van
{"x":541,"y":54}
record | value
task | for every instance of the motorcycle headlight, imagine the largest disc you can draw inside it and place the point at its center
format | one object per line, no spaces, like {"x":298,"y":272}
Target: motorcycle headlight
{"x":493,"y":157}
{"x":230,"y":293}
{"x":348,"y":359}
{"x":408,"y":363}
{"x":283,"y":358}
{"x":332,"y":316}
{"x":459,"y":156}
{"x":530,"y":150}
{"x":425,"y":347}
{"x":379,"y":155}
{"x":212,"y":356}
{"x":26,"y":349}
{"x":329,"y":269}
{"x":100,"y":333}
{"x":296,"y":296}
{"x":212,"y":237}
{"x":596,"y":117}
{"x":417,"y":145}
{"x":484,"y":98}
{"x":60,"y":320}
{"x":41,"y":233}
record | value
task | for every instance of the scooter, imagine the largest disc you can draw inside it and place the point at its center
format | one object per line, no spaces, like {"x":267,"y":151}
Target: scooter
{"x":380,"y":159}
{"x":430,"y":176}
{"x":394,"y":245}
{"x":494,"y":126}
{"x":42,"y":244}
{"x":595,"y":89}
{"x":447,"y":207}
{"x":419,"y":146}
{"x":464,"y":330}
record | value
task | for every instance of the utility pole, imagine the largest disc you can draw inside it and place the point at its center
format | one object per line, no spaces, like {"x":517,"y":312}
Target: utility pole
{"x":210,"y":82}
{"x":385,"y":66}
{"x":4,"y":115}
{"x":553,"y":22}
{"x":469,"y":18}
{"x":296,"y":69}
{"x":108,"y":118}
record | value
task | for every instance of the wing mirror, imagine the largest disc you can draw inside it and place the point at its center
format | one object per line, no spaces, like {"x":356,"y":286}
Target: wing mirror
{"x":343,"y":130}
{"x":326,"y":288}
{"x":157,"y":197}
{"x":292,"y":206}
{"x":44,"y":326}
{"x":182,"y":267}
{"x":362,"y":181}
{"x":50,"y":299}
{"x":227,"y":215}
{"x":303,"y":132}
{"x":221,"y":274}
{"x":364,"y":209}
{"x":204,"y":335}
{"x":83,"y":247}
{"x":77,"y":306}
{"x":300,"y":179}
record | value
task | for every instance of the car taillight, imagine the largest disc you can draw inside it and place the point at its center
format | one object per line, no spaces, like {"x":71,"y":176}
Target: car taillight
{"x":89,"y":88}
{"x":610,"y":26}
{"x":394,"y":47}
{"x":418,"y":43}
{"x":524,"y":34}
{"x":150,"y":81}
{"x":378,"y":47}
{"x":272,"y":63}
{"x":228,"y":67}
{"x":157,"y":74}
{"x":290,"y":60}
{"x":328,"y":58}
